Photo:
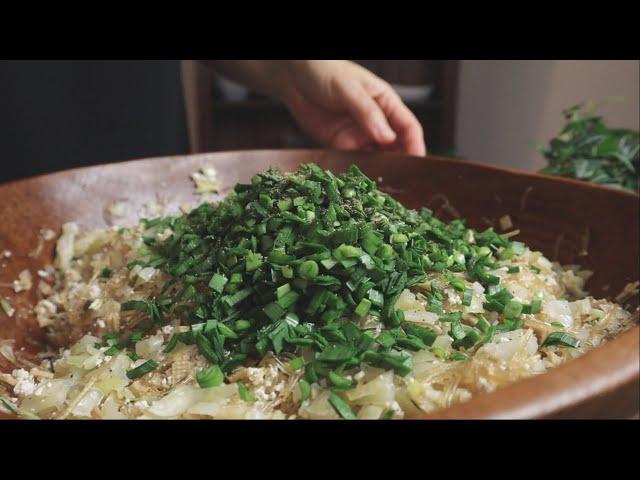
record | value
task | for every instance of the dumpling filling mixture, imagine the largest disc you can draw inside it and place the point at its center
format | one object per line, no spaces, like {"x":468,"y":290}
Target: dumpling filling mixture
{"x":301,"y":295}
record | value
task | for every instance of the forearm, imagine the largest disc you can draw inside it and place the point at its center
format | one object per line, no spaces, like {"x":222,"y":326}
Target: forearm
{"x":268,"y":77}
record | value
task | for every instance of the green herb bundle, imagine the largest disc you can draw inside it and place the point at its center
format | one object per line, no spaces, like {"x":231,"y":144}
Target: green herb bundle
{"x":294,"y":261}
{"x":588,"y":150}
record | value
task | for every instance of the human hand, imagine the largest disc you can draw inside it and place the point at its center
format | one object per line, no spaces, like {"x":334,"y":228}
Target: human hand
{"x":344,"y":106}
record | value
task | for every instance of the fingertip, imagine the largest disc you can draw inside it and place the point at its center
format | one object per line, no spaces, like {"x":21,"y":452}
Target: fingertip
{"x":413,"y":140}
{"x":420,"y":150}
{"x":415,"y":148}
{"x":383,"y":132}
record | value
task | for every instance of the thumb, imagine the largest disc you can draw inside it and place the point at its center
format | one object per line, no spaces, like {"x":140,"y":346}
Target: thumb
{"x":368,"y":114}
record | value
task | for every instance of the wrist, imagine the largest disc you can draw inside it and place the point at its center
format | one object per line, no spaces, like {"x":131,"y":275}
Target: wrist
{"x":286,"y":75}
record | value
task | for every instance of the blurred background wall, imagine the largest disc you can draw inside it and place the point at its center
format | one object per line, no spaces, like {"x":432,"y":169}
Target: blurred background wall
{"x":505,"y":107}
{"x":63,"y":114}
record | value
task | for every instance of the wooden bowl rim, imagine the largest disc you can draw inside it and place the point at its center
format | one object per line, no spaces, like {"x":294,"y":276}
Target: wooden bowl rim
{"x":603,"y":369}
{"x":275,"y":151}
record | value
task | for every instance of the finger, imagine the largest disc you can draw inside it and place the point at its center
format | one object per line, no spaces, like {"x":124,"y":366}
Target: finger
{"x":350,"y":137}
{"x":405,"y":124}
{"x":368,"y":114}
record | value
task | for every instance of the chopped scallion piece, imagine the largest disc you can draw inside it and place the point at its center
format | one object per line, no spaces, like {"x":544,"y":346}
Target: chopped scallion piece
{"x":296,"y":363}
{"x":512,"y":309}
{"x":218,"y":282}
{"x":242,"y":325}
{"x":210,"y":377}
{"x":561,"y":338}
{"x":142,"y":370}
{"x":308,"y":270}
{"x":458,"y":356}
{"x":388,"y":415}
{"x":171,"y":344}
{"x":111,"y":351}
{"x":467,"y":297}
{"x":245,"y":393}
{"x":305,"y":389}
{"x":483,"y":324}
{"x":8,"y":405}
{"x":363,"y":307}
{"x":339,"y":381}
{"x":341,"y":407}
{"x":535,"y":306}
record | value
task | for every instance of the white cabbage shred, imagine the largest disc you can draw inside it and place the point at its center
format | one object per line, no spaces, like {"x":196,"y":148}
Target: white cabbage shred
{"x":206,"y":180}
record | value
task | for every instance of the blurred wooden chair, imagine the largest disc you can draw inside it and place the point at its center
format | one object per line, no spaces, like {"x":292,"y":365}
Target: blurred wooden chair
{"x":197,"y":83}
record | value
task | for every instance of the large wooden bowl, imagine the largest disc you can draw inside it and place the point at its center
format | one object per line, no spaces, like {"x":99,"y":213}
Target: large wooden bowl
{"x":560,"y":217}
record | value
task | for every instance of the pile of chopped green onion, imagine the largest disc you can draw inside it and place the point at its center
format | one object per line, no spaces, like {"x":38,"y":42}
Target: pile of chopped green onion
{"x":293,"y":260}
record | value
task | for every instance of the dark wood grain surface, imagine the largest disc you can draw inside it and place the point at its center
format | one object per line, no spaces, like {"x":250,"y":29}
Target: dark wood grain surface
{"x":557,"y":216}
